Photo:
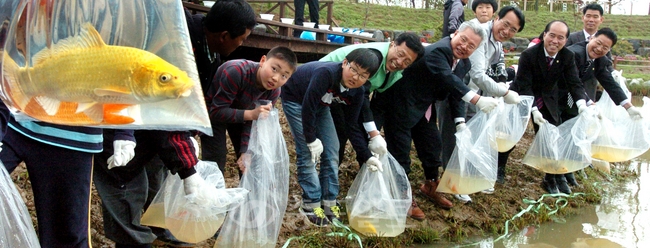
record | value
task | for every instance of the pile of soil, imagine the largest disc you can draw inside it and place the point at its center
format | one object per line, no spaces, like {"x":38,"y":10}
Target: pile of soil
{"x":485,"y":215}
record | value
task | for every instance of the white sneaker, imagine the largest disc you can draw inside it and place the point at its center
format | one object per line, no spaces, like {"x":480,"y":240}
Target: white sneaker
{"x":463,"y":198}
{"x":488,"y":191}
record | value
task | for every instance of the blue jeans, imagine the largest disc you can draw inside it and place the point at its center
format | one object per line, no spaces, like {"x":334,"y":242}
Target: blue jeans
{"x":316,"y":187}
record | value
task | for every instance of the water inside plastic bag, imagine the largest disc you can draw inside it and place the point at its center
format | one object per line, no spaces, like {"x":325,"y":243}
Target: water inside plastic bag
{"x":42,"y":31}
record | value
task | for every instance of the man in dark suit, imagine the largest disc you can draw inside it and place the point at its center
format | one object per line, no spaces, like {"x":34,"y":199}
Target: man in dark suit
{"x":437,"y":74}
{"x":592,"y":65}
{"x":592,"y":17}
{"x":541,"y":69}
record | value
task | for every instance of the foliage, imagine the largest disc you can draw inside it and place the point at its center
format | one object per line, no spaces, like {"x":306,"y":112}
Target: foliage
{"x":622,"y":48}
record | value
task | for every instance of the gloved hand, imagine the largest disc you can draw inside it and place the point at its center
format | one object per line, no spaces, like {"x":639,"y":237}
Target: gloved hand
{"x":634,"y":112}
{"x":511,"y":97}
{"x":582,"y":105}
{"x":486,"y":104}
{"x":192,"y":184}
{"x":196,"y":146}
{"x":537,"y":117}
{"x":374,"y":164}
{"x":316,"y":148}
{"x":460,"y":127}
{"x":123,"y":152}
{"x":377,"y":145}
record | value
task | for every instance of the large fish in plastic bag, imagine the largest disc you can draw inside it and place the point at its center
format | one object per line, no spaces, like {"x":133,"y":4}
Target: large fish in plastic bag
{"x":125,"y":64}
{"x":621,"y":137}
{"x":565,"y":148}
{"x":511,"y":123}
{"x":473,"y":163}
{"x":257,"y":222}
{"x":377,"y":202}
{"x":16,"y":228}
{"x":187,"y":218}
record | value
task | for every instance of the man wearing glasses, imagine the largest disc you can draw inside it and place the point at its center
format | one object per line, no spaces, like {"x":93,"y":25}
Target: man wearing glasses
{"x":484,"y":80}
{"x":592,"y":64}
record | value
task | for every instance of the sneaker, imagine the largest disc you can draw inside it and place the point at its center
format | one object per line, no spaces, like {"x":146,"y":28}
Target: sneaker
{"x":316,"y":216}
{"x":333,"y":212}
{"x":415,"y":212}
{"x":488,"y":191}
{"x":463,"y":198}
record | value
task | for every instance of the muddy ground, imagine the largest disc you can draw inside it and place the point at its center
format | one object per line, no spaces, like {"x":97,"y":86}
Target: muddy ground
{"x":484,"y":216}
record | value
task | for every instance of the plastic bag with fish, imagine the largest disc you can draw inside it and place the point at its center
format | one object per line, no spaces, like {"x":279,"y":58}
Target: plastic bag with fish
{"x":565,"y":148}
{"x":377,"y":202}
{"x":17,"y":229}
{"x":472,"y":166}
{"x":126,"y":64}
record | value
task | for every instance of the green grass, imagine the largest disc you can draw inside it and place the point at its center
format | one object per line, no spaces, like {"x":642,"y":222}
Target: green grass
{"x":371,"y":16}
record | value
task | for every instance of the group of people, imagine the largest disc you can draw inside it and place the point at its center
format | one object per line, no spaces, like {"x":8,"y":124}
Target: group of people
{"x":417,"y":94}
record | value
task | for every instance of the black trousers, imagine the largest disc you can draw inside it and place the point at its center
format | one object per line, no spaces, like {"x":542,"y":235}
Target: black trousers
{"x":215,"y":149}
{"x":300,"y":13}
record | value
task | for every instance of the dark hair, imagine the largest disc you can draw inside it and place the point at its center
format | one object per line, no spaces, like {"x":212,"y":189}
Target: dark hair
{"x":548,"y":26}
{"x":412,"y":42}
{"x":609,"y":33}
{"x":234,"y":16}
{"x":285,"y":54}
{"x":520,"y":15}
{"x":593,"y":6}
{"x":494,"y":4}
{"x":365,"y":58}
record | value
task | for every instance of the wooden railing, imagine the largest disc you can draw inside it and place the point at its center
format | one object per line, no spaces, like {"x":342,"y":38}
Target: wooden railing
{"x":284,"y":29}
{"x":283,"y":5}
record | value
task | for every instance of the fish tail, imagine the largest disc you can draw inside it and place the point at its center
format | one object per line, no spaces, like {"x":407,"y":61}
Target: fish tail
{"x":11,"y":72}
{"x":112,"y":116}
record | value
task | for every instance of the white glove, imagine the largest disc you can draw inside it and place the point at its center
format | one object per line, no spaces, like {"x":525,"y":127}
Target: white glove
{"x":460,"y":127}
{"x":192,"y":184}
{"x":377,"y":145}
{"x":582,"y":105}
{"x":196,"y":146}
{"x":511,"y":97}
{"x":486,"y":104}
{"x":123,"y":152}
{"x":538,"y":118}
{"x":634,"y":112}
{"x":374,"y":164}
{"x":316,"y":148}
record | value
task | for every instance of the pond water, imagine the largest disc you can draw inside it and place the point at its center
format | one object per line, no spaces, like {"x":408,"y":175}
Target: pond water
{"x":622,"y":219}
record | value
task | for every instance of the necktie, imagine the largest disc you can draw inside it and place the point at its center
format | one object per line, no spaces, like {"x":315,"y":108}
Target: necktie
{"x":428,"y":113}
{"x":587,"y":66}
{"x":539,"y":103}
{"x":589,"y":38}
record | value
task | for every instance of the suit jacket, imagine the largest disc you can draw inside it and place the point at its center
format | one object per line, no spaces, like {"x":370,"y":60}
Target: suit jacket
{"x":535,"y":78}
{"x":427,"y":80}
{"x":596,"y":73}
{"x":579,"y":36}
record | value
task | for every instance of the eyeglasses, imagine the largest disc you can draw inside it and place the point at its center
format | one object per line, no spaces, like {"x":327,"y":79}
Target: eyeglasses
{"x":509,"y":27}
{"x":600,"y":44}
{"x":355,"y":72}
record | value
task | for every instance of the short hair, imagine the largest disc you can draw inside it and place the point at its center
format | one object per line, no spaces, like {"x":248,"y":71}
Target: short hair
{"x":285,"y":54}
{"x":475,"y":26}
{"x":365,"y":58}
{"x":609,"y":33}
{"x":234,"y":16}
{"x":412,"y":42}
{"x":548,"y":26}
{"x":520,"y":15}
{"x":593,"y":6}
{"x":494,"y":4}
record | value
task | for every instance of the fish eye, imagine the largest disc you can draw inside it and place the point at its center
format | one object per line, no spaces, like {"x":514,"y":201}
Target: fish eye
{"x":165,"y":77}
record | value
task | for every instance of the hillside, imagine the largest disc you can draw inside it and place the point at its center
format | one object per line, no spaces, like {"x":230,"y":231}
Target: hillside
{"x":372,"y":16}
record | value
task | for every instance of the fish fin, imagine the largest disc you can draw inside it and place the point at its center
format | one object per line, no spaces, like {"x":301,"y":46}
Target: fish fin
{"x":109,"y":92}
{"x":88,"y":37}
{"x":93,"y":111}
{"x":81,"y":107}
{"x":11,"y":71}
{"x":50,"y":105}
{"x":112,"y":115}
